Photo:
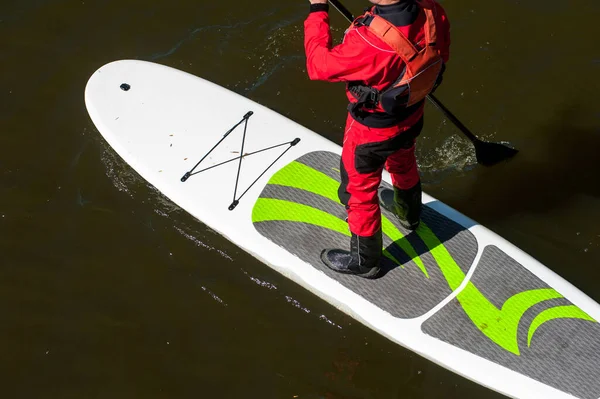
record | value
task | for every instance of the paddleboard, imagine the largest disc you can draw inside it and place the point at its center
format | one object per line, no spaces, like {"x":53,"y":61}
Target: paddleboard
{"x":452,"y":291}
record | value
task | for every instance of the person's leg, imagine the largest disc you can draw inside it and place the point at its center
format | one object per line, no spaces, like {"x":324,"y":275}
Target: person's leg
{"x":361,"y":176}
{"x":403,"y":168}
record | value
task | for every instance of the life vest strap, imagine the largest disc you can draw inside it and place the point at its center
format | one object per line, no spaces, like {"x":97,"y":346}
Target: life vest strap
{"x":394,"y":37}
{"x":430,"y":28}
{"x":366,"y":96}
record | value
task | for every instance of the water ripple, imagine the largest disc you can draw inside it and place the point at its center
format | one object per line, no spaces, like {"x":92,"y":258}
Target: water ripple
{"x":296,"y":304}
{"x":260,"y":282}
{"x":267,"y":74}
{"x":202,"y":245}
{"x":196,"y":31}
{"x":323,"y":317}
{"x":214,"y":296}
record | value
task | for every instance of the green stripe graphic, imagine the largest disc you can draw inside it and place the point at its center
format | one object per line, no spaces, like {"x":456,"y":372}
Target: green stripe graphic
{"x":559,"y":312}
{"x":268,"y":209}
{"x":300,"y":176}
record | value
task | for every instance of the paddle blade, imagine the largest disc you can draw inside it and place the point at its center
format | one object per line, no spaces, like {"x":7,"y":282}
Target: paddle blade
{"x":489,"y":154}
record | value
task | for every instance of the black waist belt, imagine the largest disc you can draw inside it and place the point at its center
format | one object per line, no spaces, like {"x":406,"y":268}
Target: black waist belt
{"x":379,"y":120}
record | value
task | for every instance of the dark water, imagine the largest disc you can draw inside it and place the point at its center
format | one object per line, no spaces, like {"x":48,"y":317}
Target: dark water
{"x":107,"y":290}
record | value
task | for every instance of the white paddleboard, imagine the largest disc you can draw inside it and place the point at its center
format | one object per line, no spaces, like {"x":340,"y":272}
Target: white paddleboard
{"x":453,"y":291}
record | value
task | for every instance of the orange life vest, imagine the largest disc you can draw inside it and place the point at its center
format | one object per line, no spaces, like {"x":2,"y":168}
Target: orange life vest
{"x":422,"y":69}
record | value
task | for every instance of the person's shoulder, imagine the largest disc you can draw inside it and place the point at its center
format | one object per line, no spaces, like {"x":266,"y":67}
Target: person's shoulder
{"x":362,"y":36}
{"x":358,"y":35}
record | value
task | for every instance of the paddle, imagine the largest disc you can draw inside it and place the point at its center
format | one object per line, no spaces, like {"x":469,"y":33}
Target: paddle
{"x":487,"y":153}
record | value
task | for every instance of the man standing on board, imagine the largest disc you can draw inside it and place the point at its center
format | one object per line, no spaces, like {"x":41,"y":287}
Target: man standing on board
{"x":391,"y":58}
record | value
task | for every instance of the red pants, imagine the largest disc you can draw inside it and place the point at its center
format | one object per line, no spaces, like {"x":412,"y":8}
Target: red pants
{"x":366,"y":151}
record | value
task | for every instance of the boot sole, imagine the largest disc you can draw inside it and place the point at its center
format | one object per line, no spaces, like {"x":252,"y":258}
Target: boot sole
{"x":372,"y":274}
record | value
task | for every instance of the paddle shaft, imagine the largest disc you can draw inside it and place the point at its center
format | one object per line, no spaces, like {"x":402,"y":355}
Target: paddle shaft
{"x":348,"y":15}
{"x":342,"y":9}
{"x":453,"y":118}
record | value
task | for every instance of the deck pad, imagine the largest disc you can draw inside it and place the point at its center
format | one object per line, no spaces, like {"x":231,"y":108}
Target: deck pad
{"x":509,"y":316}
{"x":299,"y":210}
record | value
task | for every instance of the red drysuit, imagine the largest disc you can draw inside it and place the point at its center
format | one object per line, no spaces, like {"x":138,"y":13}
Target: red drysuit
{"x":372,"y":139}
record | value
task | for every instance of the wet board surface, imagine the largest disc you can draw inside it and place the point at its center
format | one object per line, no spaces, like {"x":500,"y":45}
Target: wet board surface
{"x":452,"y":291}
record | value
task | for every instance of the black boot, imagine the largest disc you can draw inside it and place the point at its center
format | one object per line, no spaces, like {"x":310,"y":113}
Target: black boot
{"x":405,"y":204}
{"x":362,"y":260}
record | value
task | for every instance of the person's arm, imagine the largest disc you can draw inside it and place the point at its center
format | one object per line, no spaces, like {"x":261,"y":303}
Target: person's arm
{"x":348,"y":61}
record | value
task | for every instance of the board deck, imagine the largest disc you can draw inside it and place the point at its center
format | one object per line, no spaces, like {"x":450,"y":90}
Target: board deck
{"x":452,"y":291}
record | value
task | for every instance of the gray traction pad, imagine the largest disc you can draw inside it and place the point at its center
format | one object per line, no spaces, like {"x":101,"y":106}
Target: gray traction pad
{"x":404,"y":292}
{"x":564,"y":353}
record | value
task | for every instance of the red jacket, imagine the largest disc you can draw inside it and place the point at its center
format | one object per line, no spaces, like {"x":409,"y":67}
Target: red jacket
{"x":363,"y":56}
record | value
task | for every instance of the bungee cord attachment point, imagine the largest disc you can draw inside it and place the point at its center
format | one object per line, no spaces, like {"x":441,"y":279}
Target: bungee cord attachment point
{"x":236,"y":200}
